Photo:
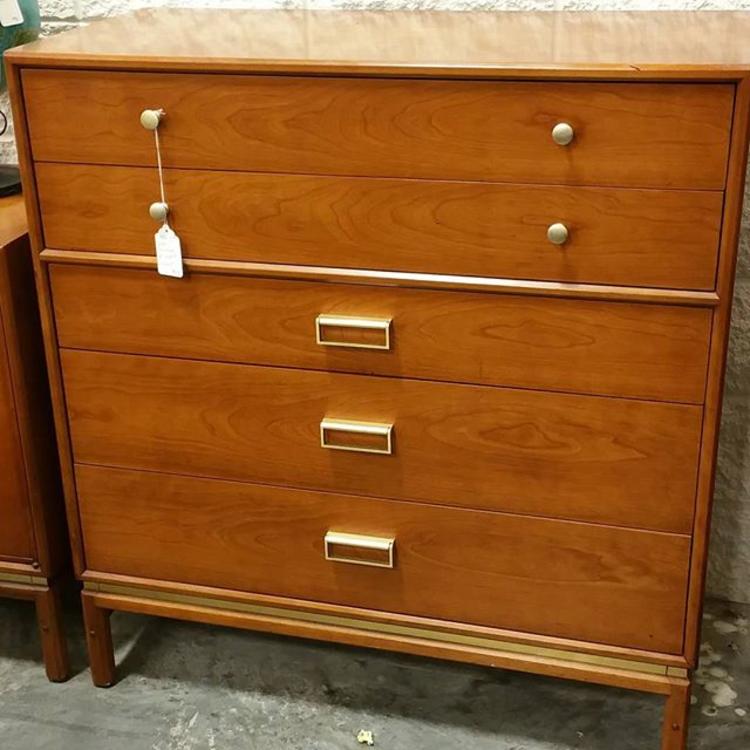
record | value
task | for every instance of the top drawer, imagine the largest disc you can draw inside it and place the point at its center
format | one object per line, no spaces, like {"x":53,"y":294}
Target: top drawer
{"x":626,"y":134}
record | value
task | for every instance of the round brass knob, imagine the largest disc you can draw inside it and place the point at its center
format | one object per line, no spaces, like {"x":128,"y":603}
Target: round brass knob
{"x":557,"y":234}
{"x":563,"y":133}
{"x":150,"y":118}
{"x":158,"y":211}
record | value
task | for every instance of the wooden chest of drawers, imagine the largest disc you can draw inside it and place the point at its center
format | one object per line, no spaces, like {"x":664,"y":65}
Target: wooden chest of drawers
{"x":445,"y":369}
{"x":33,"y":536}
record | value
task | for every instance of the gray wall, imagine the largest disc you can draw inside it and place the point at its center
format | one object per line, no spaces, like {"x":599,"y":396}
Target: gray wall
{"x":729,"y":566}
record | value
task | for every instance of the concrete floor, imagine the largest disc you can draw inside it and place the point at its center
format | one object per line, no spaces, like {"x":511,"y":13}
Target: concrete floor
{"x":193,"y":687}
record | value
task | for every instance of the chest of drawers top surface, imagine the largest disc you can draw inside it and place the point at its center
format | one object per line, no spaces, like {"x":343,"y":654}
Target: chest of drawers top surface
{"x":508,"y":44}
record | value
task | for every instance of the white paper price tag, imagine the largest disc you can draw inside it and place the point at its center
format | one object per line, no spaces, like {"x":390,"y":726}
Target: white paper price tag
{"x":168,"y":252}
{"x":10,"y":13}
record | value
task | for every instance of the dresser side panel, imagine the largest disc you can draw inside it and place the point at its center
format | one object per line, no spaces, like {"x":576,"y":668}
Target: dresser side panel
{"x":717,"y":362}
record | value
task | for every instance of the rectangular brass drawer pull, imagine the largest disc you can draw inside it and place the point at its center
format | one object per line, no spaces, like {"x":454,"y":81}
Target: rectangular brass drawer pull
{"x":381,"y":326}
{"x":368,"y":437}
{"x":359,"y":549}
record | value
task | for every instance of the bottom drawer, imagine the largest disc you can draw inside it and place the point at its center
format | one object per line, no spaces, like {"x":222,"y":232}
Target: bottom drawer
{"x":606,"y":584}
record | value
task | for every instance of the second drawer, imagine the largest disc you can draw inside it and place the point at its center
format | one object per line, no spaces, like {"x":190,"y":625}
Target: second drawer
{"x":657,"y":238}
{"x":580,"y":457}
{"x":608,"y":348}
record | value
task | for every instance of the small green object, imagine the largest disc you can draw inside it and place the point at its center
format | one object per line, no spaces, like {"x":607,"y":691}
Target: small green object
{"x":22,"y":33}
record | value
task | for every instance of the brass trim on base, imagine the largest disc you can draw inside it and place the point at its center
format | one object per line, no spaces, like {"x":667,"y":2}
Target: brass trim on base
{"x":509,"y":647}
{"x":27,"y":580}
{"x":678,"y":672}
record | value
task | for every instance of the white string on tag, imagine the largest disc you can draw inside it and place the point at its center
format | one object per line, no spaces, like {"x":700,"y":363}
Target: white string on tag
{"x":168,"y":246}
{"x":161,"y":170}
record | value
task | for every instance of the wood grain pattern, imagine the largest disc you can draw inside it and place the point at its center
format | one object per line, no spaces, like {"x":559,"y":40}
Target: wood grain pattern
{"x":564,"y":456}
{"x":587,"y":45}
{"x":16,"y":534}
{"x":429,"y":102}
{"x":490,"y":569}
{"x":321,"y":611}
{"x":30,"y":402}
{"x":659,"y":238}
{"x":16,"y":537}
{"x":676,"y":717}
{"x":32,"y":530}
{"x":48,"y":352}
{"x":677,"y":135}
{"x":13,"y":225}
{"x":412,"y":644}
{"x":98,"y":641}
{"x":400,"y":279}
{"x":49,"y":619}
{"x":619,"y":349}
{"x":49,"y":611}
{"x":717,"y":367}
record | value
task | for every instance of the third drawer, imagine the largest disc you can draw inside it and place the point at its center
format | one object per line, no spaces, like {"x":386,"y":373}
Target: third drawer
{"x":590,"y":458}
{"x":610,"y":348}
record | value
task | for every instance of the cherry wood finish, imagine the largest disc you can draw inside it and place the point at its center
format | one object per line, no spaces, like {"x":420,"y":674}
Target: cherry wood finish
{"x":676,"y":717}
{"x":33,"y":548}
{"x":550,"y":454}
{"x":338,"y":275}
{"x":46,"y":598}
{"x":245,"y":601}
{"x":717,"y":364}
{"x":419,"y":643}
{"x":54,"y":648}
{"x":563,"y":45}
{"x":98,"y":641}
{"x":620,"y":349}
{"x":677,"y":135}
{"x":486,"y":568}
{"x":459,"y":102}
{"x":659,"y":238}
{"x":16,"y":536}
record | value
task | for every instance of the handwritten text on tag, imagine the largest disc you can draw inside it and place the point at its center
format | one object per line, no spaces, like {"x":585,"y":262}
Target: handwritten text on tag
{"x":168,"y":252}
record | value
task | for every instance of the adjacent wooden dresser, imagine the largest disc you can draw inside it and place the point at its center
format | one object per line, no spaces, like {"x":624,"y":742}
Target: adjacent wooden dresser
{"x":33,"y":535}
{"x":444,"y":372}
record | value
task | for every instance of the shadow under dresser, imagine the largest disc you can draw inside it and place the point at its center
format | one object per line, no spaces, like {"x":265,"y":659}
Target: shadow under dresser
{"x":443,"y":374}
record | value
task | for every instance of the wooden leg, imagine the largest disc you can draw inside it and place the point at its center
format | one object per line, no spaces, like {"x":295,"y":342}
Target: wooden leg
{"x":99,"y":642}
{"x":676,"y":714}
{"x":54,"y":647}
